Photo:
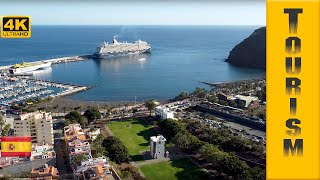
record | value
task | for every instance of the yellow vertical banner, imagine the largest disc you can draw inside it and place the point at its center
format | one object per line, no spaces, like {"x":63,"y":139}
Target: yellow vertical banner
{"x":293,"y":79}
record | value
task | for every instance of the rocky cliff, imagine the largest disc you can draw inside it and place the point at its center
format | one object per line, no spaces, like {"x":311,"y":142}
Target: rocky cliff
{"x":251,"y":52}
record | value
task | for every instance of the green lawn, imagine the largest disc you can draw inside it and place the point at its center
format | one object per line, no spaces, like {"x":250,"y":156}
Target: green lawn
{"x":177,"y":169}
{"x":135,"y":136}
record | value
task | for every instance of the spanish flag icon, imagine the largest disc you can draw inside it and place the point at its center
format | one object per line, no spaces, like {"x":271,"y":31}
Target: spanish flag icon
{"x":15,"y":146}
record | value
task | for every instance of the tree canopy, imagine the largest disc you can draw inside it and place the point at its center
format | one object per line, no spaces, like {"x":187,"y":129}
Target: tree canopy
{"x":97,"y":149}
{"x":214,"y":145}
{"x":75,"y":117}
{"x":78,"y":158}
{"x":182,"y":96}
{"x":115,"y":149}
{"x":92,"y":113}
{"x":150,"y":104}
{"x":169,"y":128}
{"x":200,"y":92}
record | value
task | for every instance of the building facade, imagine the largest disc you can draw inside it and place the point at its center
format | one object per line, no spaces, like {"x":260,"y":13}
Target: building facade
{"x":45,"y":172}
{"x":92,"y":133}
{"x":158,"y":147}
{"x":42,"y":152}
{"x":164,"y":113}
{"x":38,"y":125}
{"x":76,"y":141}
{"x":95,"y":168}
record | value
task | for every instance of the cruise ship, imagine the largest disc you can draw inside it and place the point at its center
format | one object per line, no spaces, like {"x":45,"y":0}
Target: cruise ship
{"x":24,"y":68}
{"x":116,"y":48}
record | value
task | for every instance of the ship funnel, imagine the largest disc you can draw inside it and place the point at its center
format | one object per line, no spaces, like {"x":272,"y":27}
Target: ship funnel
{"x":114,"y":40}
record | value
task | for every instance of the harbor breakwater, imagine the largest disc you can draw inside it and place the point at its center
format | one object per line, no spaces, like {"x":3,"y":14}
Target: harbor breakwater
{"x":56,"y":60}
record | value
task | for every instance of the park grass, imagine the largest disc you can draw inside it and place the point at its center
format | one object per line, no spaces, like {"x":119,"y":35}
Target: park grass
{"x":175,"y":169}
{"x":135,"y":136}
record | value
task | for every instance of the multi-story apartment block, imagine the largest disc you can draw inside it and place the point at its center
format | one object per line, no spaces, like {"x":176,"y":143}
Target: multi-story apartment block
{"x":38,"y":125}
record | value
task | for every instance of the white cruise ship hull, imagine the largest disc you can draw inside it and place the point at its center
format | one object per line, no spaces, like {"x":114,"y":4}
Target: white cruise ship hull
{"x":29,"y":69}
{"x":116,"y":48}
{"x":117,"y":54}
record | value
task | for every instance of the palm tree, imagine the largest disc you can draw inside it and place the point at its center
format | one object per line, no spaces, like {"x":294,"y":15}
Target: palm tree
{"x":2,"y":122}
{"x":150,"y":104}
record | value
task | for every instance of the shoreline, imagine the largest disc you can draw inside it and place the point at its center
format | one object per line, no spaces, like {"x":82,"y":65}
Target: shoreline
{"x":67,"y":101}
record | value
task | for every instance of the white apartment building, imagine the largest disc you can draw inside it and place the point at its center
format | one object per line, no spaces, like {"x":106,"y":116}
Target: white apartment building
{"x":42,"y":152}
{"x":38,"y":125}
{"x":158,"y":147}
{"x":164,"y":112}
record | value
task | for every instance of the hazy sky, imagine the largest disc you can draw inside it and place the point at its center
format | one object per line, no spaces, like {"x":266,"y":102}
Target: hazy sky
{"x":148,"y":12}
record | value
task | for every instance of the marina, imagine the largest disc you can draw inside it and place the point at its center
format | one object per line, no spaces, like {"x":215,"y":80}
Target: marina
{"x":23,"y":88}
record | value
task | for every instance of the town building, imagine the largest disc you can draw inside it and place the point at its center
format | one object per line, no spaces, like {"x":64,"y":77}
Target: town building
{"x":158,"y":147}
{"x":45,"y":173}
{"x":95,"y":168}
{"x":42,"y":152}
{"x":92,"y":133}
{"x":76,"y":141}
{"x":37,"y":124}
{"x":8,"y":161}
{"x":241,"y":100}
{"x":248,"y":100}
{"x":164,"y":112}
{"x":7,"y":118}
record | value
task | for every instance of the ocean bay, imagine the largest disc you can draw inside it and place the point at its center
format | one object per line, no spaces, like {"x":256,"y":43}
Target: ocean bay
{"x":180,"y":58}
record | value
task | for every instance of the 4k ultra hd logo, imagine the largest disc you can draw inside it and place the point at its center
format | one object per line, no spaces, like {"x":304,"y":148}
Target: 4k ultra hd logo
{"x":15,"y":27}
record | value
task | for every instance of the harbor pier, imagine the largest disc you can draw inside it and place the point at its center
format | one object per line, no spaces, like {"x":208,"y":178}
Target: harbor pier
{"x":55,"y":60}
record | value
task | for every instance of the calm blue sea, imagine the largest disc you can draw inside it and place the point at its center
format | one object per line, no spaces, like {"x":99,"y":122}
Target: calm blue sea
{"x":181,"y":57}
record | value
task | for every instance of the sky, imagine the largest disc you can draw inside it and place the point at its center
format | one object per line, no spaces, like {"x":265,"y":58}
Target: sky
{"x":142,"y":12}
